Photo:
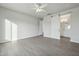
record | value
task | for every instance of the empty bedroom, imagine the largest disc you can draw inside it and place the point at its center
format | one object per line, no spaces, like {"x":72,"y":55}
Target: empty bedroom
{"x":39,"y":29}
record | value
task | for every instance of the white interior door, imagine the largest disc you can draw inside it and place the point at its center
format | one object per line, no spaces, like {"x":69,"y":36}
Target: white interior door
{"x":55,"y":27}
{"x":47,"y":26}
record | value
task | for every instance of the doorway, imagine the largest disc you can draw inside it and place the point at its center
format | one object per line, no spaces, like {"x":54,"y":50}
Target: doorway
{"x":65,"y":27}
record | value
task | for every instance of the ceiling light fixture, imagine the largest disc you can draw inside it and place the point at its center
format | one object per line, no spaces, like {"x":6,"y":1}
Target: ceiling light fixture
{"x":39,"y":7}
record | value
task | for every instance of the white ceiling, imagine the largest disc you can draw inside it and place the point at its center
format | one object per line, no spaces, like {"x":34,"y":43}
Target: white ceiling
{"x":28,"y":8}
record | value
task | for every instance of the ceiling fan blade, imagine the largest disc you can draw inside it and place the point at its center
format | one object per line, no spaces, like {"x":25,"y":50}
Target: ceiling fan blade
{"x":36,"y":5}
{"x":43,"y":5}
{"x":41,"y":10}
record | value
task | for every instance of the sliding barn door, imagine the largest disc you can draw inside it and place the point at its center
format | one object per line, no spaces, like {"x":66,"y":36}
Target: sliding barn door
{"x":55,"y":27}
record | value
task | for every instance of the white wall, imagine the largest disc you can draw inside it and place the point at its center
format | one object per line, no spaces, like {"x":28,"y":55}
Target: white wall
{"x":27,"y":26}
{"x":62,"y":29}
{"x":74,"y":33}
{"x":40,"y":27}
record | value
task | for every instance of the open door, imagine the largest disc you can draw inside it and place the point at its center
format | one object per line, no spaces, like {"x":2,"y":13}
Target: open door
{"x":55,"y":27}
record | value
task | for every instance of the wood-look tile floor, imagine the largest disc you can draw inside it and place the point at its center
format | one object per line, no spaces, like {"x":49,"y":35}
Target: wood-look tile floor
{"x":39,"y":46}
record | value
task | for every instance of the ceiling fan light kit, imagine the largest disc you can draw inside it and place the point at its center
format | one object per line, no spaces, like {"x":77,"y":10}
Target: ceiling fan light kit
{"x":39,"y":7}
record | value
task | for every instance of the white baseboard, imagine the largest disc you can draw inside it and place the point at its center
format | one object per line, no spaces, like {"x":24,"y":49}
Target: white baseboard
{"x":29,"y":37}
{"x":74,"y":41}
{"x":4,"y":41}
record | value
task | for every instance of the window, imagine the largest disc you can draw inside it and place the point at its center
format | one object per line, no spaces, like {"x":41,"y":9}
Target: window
{"x":10,"y":30}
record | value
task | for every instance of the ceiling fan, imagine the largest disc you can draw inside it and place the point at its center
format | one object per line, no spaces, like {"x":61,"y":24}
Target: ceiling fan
{"x":39,"y":7}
